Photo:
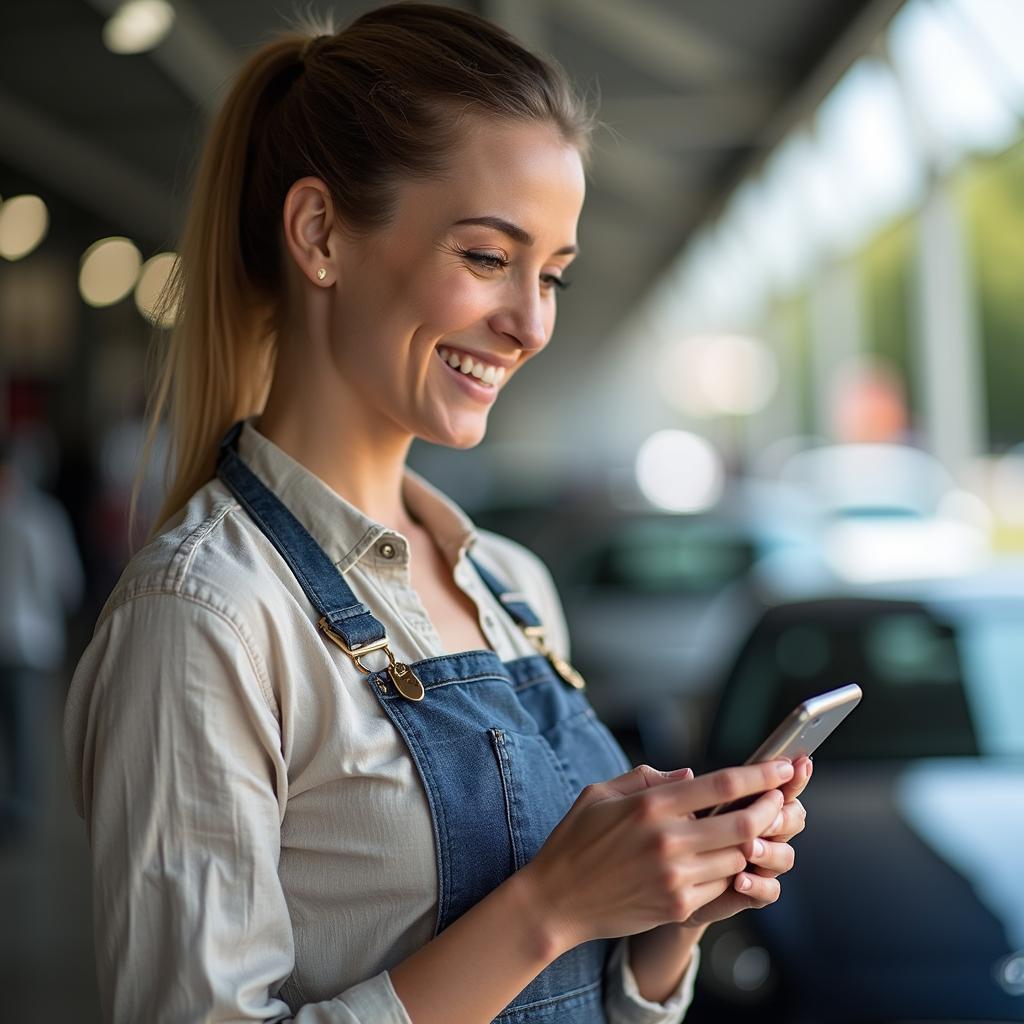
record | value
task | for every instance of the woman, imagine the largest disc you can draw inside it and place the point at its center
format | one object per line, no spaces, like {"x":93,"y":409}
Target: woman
{"x":325,"y":730}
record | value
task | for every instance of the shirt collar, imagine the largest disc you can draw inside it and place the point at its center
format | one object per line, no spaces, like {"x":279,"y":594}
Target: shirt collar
{"x":343,"y":531}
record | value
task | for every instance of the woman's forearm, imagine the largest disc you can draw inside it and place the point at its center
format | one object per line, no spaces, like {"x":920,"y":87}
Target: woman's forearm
{"x":479,"y":964}
{"x":659,"y":958}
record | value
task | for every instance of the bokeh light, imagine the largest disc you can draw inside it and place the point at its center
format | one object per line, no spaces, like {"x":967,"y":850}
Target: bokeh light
{"x":679,"y":471}
{"x":24,"y":221}
{"x":718,"y":374}
{"x":138,"y":25}
{"x":108,"y":271}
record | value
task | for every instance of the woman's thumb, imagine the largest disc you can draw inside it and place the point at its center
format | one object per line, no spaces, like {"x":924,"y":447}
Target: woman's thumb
{"x":643,"y":777}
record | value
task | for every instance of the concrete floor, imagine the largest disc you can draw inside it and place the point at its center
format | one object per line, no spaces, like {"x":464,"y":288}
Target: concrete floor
{"x":47,"y":972}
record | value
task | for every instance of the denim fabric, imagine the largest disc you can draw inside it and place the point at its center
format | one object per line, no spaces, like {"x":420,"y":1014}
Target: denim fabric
{"x":503,"y":750}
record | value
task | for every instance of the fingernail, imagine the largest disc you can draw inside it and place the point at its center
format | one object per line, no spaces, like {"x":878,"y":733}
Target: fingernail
{"x":784,"y":769}
{"x":758,"y":848}
{"x":745,"y":883}
{"x":777,"y":823}
{"x":681,"y":773}
{"x":809,"y":769}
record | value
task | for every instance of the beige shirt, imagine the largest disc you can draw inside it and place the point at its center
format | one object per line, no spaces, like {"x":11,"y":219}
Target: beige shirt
{"x":262,"y":844}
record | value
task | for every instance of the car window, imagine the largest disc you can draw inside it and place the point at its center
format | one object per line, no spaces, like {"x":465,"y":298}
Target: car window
{"x":906,"y":660}
{"x":668,"y":556}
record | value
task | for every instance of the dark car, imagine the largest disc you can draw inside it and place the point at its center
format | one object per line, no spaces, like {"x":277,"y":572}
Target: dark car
{"x":907,"y":900}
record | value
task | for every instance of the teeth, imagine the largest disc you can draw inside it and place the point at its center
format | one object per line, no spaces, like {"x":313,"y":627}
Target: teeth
{"x":483,"y":372}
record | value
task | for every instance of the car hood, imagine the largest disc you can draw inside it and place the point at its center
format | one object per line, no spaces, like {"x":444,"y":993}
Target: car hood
{"x":907,"y":899}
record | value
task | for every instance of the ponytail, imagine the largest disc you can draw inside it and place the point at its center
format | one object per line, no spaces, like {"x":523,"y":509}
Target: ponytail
{"x":216,"y":364}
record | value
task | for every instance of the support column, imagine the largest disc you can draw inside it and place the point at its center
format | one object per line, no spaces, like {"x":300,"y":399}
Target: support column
{"x":947,"y":351}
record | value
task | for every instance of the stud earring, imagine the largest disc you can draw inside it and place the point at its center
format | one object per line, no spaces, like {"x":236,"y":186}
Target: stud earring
{"x":321,"y":273}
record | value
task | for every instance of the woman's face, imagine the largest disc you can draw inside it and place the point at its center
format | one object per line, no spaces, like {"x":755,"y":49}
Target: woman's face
{"x":468,"y":269}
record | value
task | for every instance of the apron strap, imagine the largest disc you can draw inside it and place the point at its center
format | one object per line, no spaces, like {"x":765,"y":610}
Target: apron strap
{"x":319,"y":578}
{"x":526,"y":619}
{"x":515,"y":604}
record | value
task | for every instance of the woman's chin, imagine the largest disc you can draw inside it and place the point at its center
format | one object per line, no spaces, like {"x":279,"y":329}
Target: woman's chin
{"x":462,"y":435}
{"x":467,"y":440}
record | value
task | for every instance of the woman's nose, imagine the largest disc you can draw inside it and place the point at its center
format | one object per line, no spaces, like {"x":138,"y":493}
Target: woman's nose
{"x":524,"y":321}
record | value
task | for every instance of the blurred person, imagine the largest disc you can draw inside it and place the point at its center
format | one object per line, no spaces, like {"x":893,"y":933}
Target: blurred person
{"x":869,"y":403}
{"x":333,"y":762}
{"x":40,"y":586}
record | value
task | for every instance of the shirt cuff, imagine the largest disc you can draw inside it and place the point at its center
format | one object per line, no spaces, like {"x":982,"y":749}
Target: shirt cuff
{"x":373,"y":1001}
{"x":625,"y":1005}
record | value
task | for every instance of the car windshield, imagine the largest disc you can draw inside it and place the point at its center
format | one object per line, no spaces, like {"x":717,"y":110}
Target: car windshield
{"x":936,"y":683}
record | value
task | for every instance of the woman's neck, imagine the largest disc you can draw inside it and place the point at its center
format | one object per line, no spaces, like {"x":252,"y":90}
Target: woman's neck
{"x":354,"y":454}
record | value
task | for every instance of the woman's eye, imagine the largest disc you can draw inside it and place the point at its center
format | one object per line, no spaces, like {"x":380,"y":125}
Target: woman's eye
{"x":488,"y":260}
{"x":492,"y":261}
{"x":553,"y":281}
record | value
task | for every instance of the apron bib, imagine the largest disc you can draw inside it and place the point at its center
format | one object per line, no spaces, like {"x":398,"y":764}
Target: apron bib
{"x":502,"y":748}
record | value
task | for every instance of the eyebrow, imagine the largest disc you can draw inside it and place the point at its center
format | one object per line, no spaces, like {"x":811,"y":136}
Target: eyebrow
{"x":514,"y":231}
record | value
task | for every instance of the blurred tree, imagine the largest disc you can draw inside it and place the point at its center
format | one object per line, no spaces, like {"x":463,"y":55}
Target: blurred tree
{"x":991,"y":193}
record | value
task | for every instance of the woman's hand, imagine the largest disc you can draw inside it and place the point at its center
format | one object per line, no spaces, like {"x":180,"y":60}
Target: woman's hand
{"x":631,"y":855}
{"x":768,"y":856}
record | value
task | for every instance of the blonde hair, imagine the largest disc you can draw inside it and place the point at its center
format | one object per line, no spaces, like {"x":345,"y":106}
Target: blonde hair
{"x":362,"y":109}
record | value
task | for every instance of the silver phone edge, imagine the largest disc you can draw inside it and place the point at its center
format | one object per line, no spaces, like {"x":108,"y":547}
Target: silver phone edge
{"x":794,"y":721}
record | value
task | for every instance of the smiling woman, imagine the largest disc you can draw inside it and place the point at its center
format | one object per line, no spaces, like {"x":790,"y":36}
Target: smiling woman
{"x":332,"y":758}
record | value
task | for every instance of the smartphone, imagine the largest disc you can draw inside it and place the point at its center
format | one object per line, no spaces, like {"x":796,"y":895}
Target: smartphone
{"x":800,"y":733}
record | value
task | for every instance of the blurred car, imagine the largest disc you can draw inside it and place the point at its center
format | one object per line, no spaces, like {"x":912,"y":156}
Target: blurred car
{"x":907,"y":900}
{"x":656,"y":600}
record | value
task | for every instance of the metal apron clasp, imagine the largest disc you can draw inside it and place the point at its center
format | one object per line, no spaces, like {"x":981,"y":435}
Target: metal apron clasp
{"x":558,"y":663}
{"x":405,"y":681}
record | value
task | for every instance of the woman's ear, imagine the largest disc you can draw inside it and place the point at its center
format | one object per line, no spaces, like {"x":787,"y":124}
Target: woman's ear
{"x":308,"y":223}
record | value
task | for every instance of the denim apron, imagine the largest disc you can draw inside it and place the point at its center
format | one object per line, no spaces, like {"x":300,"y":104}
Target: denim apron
{"x":502,"y":748}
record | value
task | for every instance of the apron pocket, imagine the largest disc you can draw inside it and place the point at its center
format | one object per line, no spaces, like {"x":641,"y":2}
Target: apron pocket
{"x":586,"y":749}
{"x":537,"y":791}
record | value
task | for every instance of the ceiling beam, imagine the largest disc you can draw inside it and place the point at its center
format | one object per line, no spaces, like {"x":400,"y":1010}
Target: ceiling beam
{"x":858,"y":38}
{"x":637,"y":173}
{"x":663,"y":44}
{"x":696,"y":121}
{"x":615,"y":246}
{"x":524,"y":19}
{"x":82,"y":172}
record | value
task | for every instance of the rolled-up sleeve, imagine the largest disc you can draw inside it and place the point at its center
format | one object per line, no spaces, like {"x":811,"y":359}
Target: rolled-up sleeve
{"x":625,"y":1005}
{"x":174,"y":747}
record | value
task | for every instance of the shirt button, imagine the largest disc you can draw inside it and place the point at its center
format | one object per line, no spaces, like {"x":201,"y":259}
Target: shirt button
{"x":386,"y":550}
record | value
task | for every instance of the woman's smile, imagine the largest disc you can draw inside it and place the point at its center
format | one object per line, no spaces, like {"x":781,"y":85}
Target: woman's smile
{"x":464,"y":369}
{"x":487,"y":369}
